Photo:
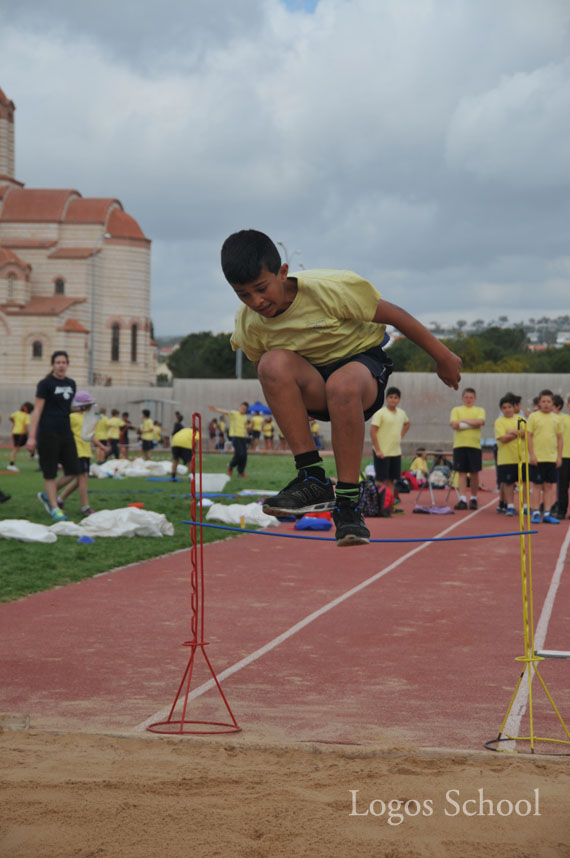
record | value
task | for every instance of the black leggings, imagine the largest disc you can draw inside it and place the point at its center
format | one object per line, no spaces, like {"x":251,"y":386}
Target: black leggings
{"x":239,"y":459}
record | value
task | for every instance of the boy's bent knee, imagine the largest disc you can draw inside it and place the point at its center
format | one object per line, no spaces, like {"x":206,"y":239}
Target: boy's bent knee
{"x":276,"y":364}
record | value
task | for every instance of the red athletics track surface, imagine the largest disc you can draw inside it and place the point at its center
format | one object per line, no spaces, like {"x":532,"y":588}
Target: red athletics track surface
{"x":423,"y":654}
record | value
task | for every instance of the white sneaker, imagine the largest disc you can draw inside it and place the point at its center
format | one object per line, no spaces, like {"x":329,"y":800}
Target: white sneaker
{"x":13,"y":468}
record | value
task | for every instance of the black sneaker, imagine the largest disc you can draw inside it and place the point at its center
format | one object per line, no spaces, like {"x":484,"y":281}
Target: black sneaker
{"x":502,"y":508}
{"x":350,"y":527}
{"x":303,"y":494}
{"x":473,"y":503}
{"x":460,"y":505}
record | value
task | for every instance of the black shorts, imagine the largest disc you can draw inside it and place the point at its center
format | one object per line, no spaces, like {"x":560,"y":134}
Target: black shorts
{"x":542,"y":472}
{"x":255,"y":434}
{"x":467,"y":460}
{"x":507,"y":475}
{"x":57,"y":449}
{"x":84,"y":463}
{"x":148,"y":445}
{"x":183,"y":454}
{"x":388,"y":468}
{"x":19,"y":440}
{"x":380,"y":366}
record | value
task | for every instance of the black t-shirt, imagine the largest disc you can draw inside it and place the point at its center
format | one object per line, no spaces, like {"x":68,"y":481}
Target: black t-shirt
{"x":58,"y":394}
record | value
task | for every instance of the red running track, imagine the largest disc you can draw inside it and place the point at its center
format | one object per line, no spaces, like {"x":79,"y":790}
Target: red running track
{"x":386,"y":644}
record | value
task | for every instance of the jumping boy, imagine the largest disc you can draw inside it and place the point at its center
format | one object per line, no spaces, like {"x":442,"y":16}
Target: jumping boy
{"x":466,"y":421}
{"x":316,"y":339}
{"x":544,"y":434}
{"x":387,"y":428}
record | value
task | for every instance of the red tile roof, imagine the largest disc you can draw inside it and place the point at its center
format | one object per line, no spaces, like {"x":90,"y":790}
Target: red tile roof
{"x":73,"y":326}
{"x":7,"y":256}
{"x":73,"y":253}
{"x":28,"y":243}
{"x":89,"y":210}
{"x":53,"y":305}
{"x":33,"y":205}
{"x":122,"y":225}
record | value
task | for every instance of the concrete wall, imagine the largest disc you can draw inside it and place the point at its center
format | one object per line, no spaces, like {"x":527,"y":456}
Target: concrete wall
{"x":425,"y":399}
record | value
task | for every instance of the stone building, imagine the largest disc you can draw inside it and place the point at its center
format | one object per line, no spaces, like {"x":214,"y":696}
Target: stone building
{"x":74,"y":275}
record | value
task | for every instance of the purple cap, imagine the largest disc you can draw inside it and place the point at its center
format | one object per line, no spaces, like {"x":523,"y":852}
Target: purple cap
{"x":82,"y":397}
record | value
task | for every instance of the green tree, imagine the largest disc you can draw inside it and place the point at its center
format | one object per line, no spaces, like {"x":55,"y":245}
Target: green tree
{"x":206,"y":355}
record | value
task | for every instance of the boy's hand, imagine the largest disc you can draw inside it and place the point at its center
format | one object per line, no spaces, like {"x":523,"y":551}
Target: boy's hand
{"x":449,"y":370}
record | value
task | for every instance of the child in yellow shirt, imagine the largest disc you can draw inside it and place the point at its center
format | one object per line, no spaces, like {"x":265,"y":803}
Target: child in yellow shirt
{"x":544,"y":434}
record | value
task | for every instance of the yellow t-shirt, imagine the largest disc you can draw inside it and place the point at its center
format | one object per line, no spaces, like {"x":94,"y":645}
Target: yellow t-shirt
{"x":315,"y":428}
{"x":467,"y":437}
{"x":147,"y":429}
{"x":268,"y":429}
{"x":565,"y":423}
{"x":21,"y":422}
{"x":257,"y":422}
{"x":507,"y":453}
{"x":76,"y":419}
{"x":330,"y":318}
{"x":184,"y":438}
{"x":390,"y":425}
{"x":419,"y":464}
{"x":114,"y":426}
{"x":545,"y":429}
{"x":156,"y":433}
{"x":238,"y":424}
{"x":101,"y":429}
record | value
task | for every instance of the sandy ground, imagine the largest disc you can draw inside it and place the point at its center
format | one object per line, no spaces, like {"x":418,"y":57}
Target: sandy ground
{"x":92,"y":796}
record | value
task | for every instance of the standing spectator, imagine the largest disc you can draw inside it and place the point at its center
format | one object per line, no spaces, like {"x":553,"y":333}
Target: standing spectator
{"x":20,"y":426}
{"x":178,"y":423}
{"x":387,"y":428}
{"x":506,"y":435}
{"x":564,"y":473}
{"x":316,"y":433}
{"x":82,"y":403}
{"x":3,"y":497}
{"x":238,"y":436}
{"x":124,"y":437}
{"x":50,"y":431}
{"x":146,"y":432}
{"x":466,"y":421}
{"x":256,"y":427}
{"x":114,"y":427}
{"x":213,"y":432}
{"x":544,"y":434}
{"x":268,"y":432}
{"x":102,"y":437}
{"x":156,"y":434}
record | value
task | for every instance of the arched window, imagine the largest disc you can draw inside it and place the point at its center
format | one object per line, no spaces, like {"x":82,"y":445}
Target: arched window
{"x":60,"y":286}
{"x":37,"y":349}
{"x":134,"y":332}
{"x":115,"y":333}
{"x":11,"y":279}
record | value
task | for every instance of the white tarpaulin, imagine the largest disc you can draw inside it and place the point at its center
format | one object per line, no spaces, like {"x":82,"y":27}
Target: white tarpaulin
{"x":127,"y":521}
{"x":252,"y":514}
{"x":25,"y":531}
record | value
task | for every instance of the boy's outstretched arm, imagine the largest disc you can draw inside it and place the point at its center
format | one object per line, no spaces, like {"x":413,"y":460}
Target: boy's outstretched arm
{"x":448,"y":364}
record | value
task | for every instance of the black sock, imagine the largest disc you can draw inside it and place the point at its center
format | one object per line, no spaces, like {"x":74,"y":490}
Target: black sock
{"x":348,"y":491}
{"x":311,"y":462}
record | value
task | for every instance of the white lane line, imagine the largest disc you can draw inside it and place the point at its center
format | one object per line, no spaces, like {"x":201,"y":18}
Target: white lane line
{"x":520,"y":702}
{"x":258,"y":653}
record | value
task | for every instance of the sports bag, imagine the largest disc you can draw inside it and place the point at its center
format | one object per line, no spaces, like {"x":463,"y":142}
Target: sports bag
{"x":375,"y":502}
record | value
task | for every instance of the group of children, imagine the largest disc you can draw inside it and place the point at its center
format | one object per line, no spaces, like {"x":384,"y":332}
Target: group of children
{"x":113,"y":434}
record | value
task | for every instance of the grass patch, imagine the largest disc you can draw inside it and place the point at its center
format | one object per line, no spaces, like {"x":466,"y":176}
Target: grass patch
{"x":29,"y":568}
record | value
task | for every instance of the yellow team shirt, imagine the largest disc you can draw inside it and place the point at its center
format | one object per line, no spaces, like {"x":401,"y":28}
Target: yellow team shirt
{"x":184,"y":438}
{"x":238,"y":424}
{"x":147,"y":429}
{"x":268,"y":429}
{"x":257,"y":422}
{"x":507,"y":453}
{"x":467,"y":437}
{"x":156,"y":433}
{"x":390,"y":424}
{"x":315,"y":428}
{"x":101,"y":429}
{"x":419,"y":464}
{"x":330,"y":318}
{"x":21,"y":422}
{"x":76,"y":419}
{"x":114,"y":426}
{"x":565,"y":423}
{"x":545,"y":429}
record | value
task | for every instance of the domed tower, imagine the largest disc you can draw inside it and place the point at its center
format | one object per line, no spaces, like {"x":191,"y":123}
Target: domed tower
{"x":7,"y":164}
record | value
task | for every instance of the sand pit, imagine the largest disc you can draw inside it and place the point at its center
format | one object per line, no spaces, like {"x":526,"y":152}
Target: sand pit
{"x":92,"y":796}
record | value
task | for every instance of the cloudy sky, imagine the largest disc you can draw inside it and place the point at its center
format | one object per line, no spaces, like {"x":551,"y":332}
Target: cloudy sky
{"x":422,"y":143}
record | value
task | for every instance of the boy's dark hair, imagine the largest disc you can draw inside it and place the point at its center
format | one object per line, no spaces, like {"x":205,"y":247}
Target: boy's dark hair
{"x":125,"y":414}
{"x":57,"y":354}
{"x":546,"y":392}
{"x":29,"y":406}
{"x":114,"y":411}
{"x":245,"y":253}
{"x":470,"y":390}
{"x":393,"y":390}
{"x":512,"y":397}
{"x":535,"y":400}
{"x":245,"y":403}
{"x":420,"y":450}
{"x":507,"y":398}
{"x":558,"y":401}
{"x":146,"y":412}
